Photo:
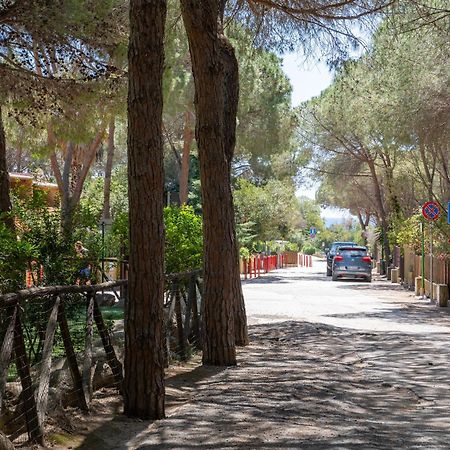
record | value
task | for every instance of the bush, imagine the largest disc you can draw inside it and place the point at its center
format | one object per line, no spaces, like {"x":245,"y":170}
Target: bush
{"x":184,"y":239}
{"x":291,"y":247}
{"x":309,"y":250}
{"x":244,"y":252}
{"x":15,"y":258}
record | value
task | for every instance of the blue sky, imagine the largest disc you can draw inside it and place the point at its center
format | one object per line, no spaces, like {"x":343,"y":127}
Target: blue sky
{"x":308,"y":79}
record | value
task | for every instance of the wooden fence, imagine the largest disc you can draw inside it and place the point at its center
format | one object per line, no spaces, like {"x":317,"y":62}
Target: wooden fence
{"x":298,"y":259}
{"x":437,"y":267}
{"x":258,"y":264}
{"x":34,"y":322}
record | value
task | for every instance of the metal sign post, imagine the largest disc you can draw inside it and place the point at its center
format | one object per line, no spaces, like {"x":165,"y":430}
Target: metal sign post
{"x":105,"y":224}
{"x":431,"y":211}
{"x":431,"y":260}
{"x":422,"y":232}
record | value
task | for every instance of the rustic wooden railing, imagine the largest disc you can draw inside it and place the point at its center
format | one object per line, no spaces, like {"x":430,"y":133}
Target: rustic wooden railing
{"x":411,"y":267}
{"x":54,"y":306}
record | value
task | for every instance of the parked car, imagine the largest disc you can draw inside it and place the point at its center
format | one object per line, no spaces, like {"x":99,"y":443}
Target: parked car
{"x":332,"y":253}
{"x":352,"y":262}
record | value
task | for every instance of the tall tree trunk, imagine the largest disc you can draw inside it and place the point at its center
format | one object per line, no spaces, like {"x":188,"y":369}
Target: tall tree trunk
{"x":19,"y":151}
{"x":66,"y":197}
{"x":5,"y":200}
{"x":201,"y":20}
{"x":231,"y":100}
{"x":381,"y":210}
{"x":363,"y":222}
{"x":188,"y":137}
{"x":75,"y":171}
{"x":429,"y":165}
{"x":106,"y":214}
{"x":144,"y":332}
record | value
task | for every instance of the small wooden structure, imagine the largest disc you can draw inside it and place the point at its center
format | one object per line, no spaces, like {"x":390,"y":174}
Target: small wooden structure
{"x":26,"y":185}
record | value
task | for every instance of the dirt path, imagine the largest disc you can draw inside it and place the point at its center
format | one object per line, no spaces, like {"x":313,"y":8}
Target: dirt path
{"x":311,"y":384}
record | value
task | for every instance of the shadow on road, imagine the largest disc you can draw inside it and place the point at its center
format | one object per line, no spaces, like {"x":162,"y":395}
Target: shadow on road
{"x":402,"y":315}
{"x":362,"y":285}
{"x":313,"y":386}
{"x":115,"y":431}
{"x":269,"y":279}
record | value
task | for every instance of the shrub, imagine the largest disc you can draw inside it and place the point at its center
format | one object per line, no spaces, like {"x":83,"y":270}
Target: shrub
{"x":244,"y":252}
{"x":15,"y":258}
{"x":291,"y":247}
{"x":309,"y":250}
{"x":184,"y":240}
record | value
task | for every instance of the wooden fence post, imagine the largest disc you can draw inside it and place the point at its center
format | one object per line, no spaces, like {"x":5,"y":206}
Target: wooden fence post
{"x":195,"y":326}
{"x":179,"y":317}
{"x":71,"y":358}
{"x":168,"y":322}
{"x":113,"y":362}
{"x":6,"y":352}
{"x":87,"y":362}
{"x":29,"y":402}
{"x":46,"y":364}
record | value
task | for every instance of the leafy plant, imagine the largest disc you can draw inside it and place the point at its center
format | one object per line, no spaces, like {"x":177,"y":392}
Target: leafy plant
{"x":15,"y":258}
{"x":184,"y":240}
{"x":291,"y":247}
{"x":244,"y":252}
{"x":309,"y":250}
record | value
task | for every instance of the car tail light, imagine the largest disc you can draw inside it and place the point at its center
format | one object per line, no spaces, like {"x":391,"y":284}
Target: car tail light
{"x":338,"y":258}
{"x":367,"y":259}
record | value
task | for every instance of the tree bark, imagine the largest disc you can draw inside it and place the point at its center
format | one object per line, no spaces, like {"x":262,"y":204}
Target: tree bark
{"x":144,"y":332}
{"x":188,"y":137}
{"x":201,"y":19}
{"x":5,"y":200}
{"x":381,"y":209}
{"x":231,"y":100}
{"x":106,"y":214}
{"x":74,"y":174}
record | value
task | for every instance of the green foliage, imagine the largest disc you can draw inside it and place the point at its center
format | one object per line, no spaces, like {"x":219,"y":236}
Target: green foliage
{"x":309,"y":250}
{"x":245,"y":234}
{"x":265,"y":118}
{"x":349,"y":232}
{"x":291,"y":247}
{"x":39,"y":240}
{"x":244,"y":252}
{"x":268,"y":212}
{"x":183,"y":230}
{"x":184,"y":240}
{"x":377,"y":135}
{"x":118,"y":239}
{"x":409,"y":233}
{"x":15,"y":258}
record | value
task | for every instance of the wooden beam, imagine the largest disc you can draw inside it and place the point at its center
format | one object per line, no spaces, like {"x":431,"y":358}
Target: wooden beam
{"x":46,"y":364}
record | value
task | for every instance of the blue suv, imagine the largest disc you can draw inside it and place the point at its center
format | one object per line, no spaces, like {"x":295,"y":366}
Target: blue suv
{"x":332,"y":253}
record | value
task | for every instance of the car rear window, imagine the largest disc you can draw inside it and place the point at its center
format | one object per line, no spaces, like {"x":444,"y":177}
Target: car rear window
{"x":337,"y":245}
{"x":354,"y":252}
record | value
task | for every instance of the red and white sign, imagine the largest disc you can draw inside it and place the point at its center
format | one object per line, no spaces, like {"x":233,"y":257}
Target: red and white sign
{"x":431,"y":210}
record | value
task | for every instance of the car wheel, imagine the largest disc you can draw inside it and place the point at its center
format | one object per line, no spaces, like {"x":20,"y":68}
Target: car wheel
{"x":369,"y":279}
{"x":334,"y":277}
{"x":329,"y":272}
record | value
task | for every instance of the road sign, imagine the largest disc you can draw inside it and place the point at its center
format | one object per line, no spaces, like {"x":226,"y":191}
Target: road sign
{"x":431,"y":210}
{"x":448,"y":215}
{"x":312,"y":232}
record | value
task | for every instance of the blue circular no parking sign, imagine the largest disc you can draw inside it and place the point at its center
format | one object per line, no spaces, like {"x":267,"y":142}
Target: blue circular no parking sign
{"x":431,"y":210}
